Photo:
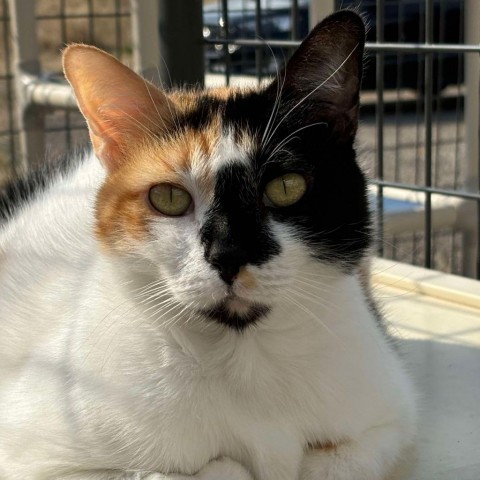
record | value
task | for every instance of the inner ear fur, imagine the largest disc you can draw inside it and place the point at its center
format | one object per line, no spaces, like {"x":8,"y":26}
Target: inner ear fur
{"x":120,"y":107}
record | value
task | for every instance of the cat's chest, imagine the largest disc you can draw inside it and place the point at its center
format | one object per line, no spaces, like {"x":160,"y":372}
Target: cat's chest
{"x":232,"y":385}
{"x":184,"y":397}
{"x":200,"y":397}
{"x":245,"y":398}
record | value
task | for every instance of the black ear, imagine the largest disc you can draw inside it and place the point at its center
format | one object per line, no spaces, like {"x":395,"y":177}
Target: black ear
{"x":325,"y":72}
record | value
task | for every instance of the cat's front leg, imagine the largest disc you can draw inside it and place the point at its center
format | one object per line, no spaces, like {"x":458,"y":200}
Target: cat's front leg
{"x":371,"y":457}
{"x":222,"y":469}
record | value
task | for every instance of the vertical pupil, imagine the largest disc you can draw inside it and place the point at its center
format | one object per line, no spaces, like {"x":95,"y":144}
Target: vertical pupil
{"x":284,"y":186}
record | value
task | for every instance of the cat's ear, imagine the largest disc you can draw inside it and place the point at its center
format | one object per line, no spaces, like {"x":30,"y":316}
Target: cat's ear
{"x":121,"y":108}
{"x":325,"y":71}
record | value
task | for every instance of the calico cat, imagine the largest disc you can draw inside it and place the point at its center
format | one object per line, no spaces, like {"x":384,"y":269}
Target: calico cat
{"x":185,"y":301}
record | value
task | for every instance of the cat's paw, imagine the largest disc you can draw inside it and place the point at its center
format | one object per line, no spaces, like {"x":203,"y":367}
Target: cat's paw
{"x":224,"y":469}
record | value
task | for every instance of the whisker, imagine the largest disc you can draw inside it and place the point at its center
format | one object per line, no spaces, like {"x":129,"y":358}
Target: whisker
{"x":155,"y":105}
{"x":144,"y":128}
{"x":323,"y":302}
{"x":313,"y":316}
{"x":292,"y":137}
{"x":276,"y":105}
{"x":173,"y":114}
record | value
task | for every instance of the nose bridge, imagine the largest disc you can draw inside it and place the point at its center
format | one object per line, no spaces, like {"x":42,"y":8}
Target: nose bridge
{"x":235,"y":232}
{"x":226,"y":245}
{"x":234,"y":217}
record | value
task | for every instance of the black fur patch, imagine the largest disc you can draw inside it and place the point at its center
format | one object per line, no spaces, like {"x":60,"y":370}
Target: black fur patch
{"x":220,"y":313}
{"x":333,"y":216}
{"x":201,"y":116}
{"x":235,"y":232}
{"x":21,"y":191}
{"x":245,"y":110}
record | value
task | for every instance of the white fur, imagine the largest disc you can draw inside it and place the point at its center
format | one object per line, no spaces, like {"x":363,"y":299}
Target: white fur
{"x":101,"y":380}
{"x":227,"y":152}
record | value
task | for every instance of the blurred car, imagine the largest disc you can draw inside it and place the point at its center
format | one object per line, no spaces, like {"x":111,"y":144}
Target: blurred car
{"x":404,"y":21}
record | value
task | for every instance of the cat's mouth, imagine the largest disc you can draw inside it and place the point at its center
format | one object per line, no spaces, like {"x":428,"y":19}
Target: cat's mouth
{"x":236,"y":312}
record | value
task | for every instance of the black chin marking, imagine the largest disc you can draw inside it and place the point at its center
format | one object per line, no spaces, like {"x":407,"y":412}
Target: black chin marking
{"x":221,"y":314}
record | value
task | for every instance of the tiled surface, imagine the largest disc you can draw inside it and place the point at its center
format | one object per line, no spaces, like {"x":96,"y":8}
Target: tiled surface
{"x":441,"y":344}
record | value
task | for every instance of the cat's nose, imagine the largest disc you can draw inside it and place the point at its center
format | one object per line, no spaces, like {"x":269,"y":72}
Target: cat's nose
{"x":227,"y":261}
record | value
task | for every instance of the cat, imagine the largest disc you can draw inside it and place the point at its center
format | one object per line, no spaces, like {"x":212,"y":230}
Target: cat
{"x":185,"y":300}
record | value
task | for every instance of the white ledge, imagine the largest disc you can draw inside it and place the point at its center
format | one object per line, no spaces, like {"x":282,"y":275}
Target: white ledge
{"x":452,"y":288}
{"x":435,"y":318}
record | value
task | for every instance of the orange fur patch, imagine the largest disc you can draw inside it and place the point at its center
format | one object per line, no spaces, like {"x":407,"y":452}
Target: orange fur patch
{"x":325,"y":446}
{"x":246,"y":278}
{"x":122,"y":210}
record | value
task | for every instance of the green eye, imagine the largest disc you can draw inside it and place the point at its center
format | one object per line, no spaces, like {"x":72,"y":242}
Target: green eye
{"x":286,"y":190}
{"x":169,"y":200}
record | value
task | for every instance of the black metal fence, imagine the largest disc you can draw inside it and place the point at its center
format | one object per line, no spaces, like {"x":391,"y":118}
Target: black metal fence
{"x":417,"y":139}
{"x":58,"y":22}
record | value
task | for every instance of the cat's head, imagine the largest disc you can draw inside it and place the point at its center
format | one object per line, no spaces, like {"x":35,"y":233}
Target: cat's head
{"x":230,"y":194}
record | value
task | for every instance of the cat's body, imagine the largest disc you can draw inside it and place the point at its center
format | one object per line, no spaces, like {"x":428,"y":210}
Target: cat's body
{"x":138,"y":342}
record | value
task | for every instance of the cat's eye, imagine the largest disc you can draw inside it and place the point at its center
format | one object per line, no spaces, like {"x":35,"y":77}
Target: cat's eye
{"x":169,"y":199}
{"x":286,"y":189}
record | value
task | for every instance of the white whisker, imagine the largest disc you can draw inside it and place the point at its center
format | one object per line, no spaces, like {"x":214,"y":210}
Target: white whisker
{"x":276,"y":105}
{"x":314,"y":317}
{"x":311,"y":93}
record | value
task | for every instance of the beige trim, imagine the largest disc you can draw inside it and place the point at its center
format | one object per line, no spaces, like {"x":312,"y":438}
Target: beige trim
{"x":464,"y":291}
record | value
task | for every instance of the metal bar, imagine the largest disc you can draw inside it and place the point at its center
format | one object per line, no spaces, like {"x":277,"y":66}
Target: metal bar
{"x":91,"y":23}
{"x":458,"y":102}
{"x":258,"y":34}
{"x":293,"y":24}
{"x":477,"y":273}
{"x":294,"y":20}
{"x":379,"y":122}
{"x":374,"y":47}
{"x":25,"y":52}
{"x":181,"y":42}
{"x":8,"y":78}
{"x":48,"y":94}
{"x":430,"y":190}
{"x":422,"y":47}
{"x":118,"y":30}
{"x":398,"y":104}
{"x":226,"y":30}
{"x":63,"y":28}
{"x":471,"y":233}
{"x":146,"y":42}
{"x":428,"y":131}
{"x":84,"y":15}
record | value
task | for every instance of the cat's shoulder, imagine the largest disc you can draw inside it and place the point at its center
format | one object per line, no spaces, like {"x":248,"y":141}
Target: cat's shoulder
{"x":21,"y":191}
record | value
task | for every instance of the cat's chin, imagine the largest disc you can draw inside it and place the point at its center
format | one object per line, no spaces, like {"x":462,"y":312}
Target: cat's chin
{"x":236,"y":312}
